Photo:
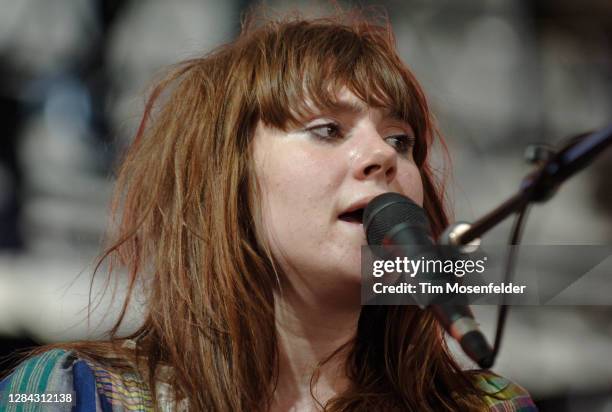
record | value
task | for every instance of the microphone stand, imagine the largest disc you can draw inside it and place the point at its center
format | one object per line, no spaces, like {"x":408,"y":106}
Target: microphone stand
{"x":538,"y":186}
{"x":542,"y":184}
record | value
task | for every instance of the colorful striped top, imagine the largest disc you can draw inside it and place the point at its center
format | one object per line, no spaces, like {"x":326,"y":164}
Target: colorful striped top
{"x":58,"y":380}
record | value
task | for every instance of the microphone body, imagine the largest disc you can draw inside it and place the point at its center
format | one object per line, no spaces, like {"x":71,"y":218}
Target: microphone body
{"x":401,"y":227}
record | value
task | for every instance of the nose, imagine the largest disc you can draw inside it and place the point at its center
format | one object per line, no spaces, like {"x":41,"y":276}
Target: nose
{"x":375,"y":159}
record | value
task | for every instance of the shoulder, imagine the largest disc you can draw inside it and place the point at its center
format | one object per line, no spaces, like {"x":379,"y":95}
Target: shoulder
{"x":503,"y":394}
{"x":42,"y":374}
{"x":89,"y":385}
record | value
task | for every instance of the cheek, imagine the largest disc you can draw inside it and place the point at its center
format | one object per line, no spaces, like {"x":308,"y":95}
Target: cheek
{"x":291,"y":181}
{"x":294,"y":206}
{"x":411,"y":185}
{"x":295,"y":187}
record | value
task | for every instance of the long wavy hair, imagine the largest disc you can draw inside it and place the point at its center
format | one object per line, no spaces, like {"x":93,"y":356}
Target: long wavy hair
{"x":185,"y":222}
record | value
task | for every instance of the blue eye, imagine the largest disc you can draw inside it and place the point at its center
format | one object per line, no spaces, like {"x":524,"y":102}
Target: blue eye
{"x":402,"y":143}
{"x":327,"y":131}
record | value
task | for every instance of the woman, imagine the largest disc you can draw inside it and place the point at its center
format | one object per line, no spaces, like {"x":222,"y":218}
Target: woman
{"x":230,"y":206}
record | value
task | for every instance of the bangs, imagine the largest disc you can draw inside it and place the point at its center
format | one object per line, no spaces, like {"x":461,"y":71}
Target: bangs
{"x":308,"y":65}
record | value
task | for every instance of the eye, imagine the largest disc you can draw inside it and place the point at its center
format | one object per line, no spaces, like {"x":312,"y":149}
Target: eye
{"x":327,"y":131}
{"x":402,"y":143}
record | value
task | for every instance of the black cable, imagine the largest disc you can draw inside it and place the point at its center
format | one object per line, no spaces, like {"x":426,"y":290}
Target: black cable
{"x":515,"y":239}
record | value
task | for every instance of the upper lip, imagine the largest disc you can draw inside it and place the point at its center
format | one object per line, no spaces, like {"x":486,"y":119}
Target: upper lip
{"x":361,"y":203}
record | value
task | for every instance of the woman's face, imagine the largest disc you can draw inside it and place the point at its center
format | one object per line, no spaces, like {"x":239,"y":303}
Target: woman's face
{"x":336,"y":161}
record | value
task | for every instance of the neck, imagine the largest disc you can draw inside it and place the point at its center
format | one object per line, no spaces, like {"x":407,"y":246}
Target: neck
{"x":309,"y":331}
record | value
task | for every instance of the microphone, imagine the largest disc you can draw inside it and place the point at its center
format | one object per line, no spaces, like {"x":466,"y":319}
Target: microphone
{"x":400,"y":226}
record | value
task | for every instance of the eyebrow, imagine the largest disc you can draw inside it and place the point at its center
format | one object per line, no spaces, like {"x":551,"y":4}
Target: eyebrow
{"x":357,"y":107}
{"x":348,"y":107}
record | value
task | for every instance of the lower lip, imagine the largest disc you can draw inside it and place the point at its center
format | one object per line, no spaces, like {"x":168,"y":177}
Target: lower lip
{"x":354,"y":224}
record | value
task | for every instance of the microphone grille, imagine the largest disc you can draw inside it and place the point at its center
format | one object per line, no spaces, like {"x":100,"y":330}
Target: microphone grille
{"x":388,"y":210}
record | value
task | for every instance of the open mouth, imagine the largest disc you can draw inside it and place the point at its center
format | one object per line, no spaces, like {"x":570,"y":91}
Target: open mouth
{"x":355,"y":216}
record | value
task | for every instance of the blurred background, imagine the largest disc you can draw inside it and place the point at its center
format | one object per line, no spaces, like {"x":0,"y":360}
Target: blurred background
{"x":500,"y":74}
